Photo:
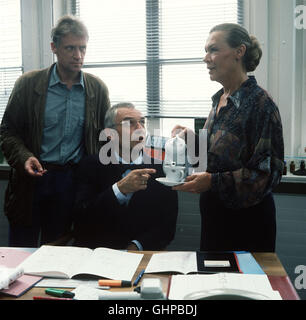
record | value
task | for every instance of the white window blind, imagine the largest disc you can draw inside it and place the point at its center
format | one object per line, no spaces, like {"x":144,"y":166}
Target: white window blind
{"x":151,"y":52}
{"x":10,"y":53}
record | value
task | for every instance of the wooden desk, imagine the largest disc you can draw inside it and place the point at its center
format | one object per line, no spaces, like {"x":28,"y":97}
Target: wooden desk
{"x":268,"y":261}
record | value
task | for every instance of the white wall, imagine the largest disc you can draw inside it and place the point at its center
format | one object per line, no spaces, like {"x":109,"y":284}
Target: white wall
{"x":302,"y":41}
{"x":281,"y":70}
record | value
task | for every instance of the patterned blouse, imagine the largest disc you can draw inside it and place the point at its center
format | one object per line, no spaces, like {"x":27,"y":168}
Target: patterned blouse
{"x":245,"y":146}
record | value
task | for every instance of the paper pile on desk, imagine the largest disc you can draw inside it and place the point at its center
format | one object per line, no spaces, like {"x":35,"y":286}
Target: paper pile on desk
{"x":184,"y":285}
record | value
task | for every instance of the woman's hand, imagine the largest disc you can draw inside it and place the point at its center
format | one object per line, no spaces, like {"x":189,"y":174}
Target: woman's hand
{"x":179,"y":130}
{"x":196,"y":183}
{"x":182,"y":132}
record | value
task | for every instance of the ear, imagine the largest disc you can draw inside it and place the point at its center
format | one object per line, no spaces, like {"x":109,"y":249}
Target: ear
{"x":53,"y":47}
{"x":110,"y":134}
{"x":240,"y":52}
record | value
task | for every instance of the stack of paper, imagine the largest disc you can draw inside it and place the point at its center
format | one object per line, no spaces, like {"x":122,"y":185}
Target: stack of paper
{"x":183,"y":286}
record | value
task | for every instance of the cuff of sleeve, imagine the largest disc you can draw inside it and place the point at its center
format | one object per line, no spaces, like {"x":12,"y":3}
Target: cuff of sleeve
{"x":215,"y":182}
{"x":138,"y":244}
{"x":22,"y":160}
{"x":122,"y":199}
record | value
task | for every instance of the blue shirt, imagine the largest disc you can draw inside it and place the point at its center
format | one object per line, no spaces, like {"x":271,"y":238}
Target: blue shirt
{"x":62,"y":139}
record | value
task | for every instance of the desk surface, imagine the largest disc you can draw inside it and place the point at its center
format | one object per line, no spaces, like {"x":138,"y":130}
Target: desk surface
{"x":268,"y":261}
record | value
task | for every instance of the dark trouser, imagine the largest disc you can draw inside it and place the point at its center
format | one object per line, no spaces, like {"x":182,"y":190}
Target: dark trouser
{"x":249,"y":229}
{"x":53,"y":202}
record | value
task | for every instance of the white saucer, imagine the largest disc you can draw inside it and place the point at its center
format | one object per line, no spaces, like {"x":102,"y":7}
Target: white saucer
{"x":168,"y":183}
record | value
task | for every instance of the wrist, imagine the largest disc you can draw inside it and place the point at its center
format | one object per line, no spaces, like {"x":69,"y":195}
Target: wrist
{"x":121,"y":187}
{"x":214,"y":181}
{"x":209,"y":175}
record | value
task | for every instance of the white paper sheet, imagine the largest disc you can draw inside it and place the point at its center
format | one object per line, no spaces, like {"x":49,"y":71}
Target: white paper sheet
{"x":182,"y":285}
{"x":183,"y":262}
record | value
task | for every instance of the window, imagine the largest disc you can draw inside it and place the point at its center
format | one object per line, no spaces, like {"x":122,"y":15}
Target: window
{"x":10,"y":53}
{"x":150,"y":52}
{"x":117,"y":47}
{"x":185,"y":86}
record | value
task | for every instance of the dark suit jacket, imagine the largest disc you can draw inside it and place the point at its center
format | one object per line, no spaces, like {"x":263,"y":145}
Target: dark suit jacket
{"x":150,"y":216}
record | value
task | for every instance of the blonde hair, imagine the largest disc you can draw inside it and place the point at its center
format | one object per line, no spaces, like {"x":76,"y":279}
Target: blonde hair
{"x":68,"y":24}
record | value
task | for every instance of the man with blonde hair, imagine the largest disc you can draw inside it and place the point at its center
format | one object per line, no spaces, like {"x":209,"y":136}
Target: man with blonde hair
{"x":53,"y":118}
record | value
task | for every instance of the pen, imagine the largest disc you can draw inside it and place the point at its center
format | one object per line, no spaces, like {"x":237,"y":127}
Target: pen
{"x":138,"y":277}
{"x":50,"y":298}
{"x":59,"y":293}
{"x":115,"y":283}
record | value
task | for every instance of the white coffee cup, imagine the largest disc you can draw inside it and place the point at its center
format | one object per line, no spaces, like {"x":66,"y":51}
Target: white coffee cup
{"x":174,"y":173}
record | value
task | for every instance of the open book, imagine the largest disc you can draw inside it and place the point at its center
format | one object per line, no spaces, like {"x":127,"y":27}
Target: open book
{"x":222,"y":286}
{"x":193,"y":262}
{"x":70,"y":262}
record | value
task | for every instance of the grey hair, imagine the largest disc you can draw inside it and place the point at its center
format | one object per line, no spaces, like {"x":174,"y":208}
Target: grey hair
{"x":237,"y":35}
{"x":110,"y":115}
{"x":68,"y":24}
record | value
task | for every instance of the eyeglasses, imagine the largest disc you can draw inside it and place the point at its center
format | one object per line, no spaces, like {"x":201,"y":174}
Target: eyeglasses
{"x":132,"y":122}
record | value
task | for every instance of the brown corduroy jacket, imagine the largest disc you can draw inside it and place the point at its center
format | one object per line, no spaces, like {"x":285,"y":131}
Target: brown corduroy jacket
{"x":21,"y":134}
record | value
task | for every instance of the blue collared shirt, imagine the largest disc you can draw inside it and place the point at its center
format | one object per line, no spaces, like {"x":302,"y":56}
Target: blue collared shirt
{"x":62,"y":139}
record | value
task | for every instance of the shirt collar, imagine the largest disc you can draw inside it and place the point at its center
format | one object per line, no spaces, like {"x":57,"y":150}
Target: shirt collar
{"x":54,"y":78}
{"x":236,"y":96}
{"x":139,"y":160}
